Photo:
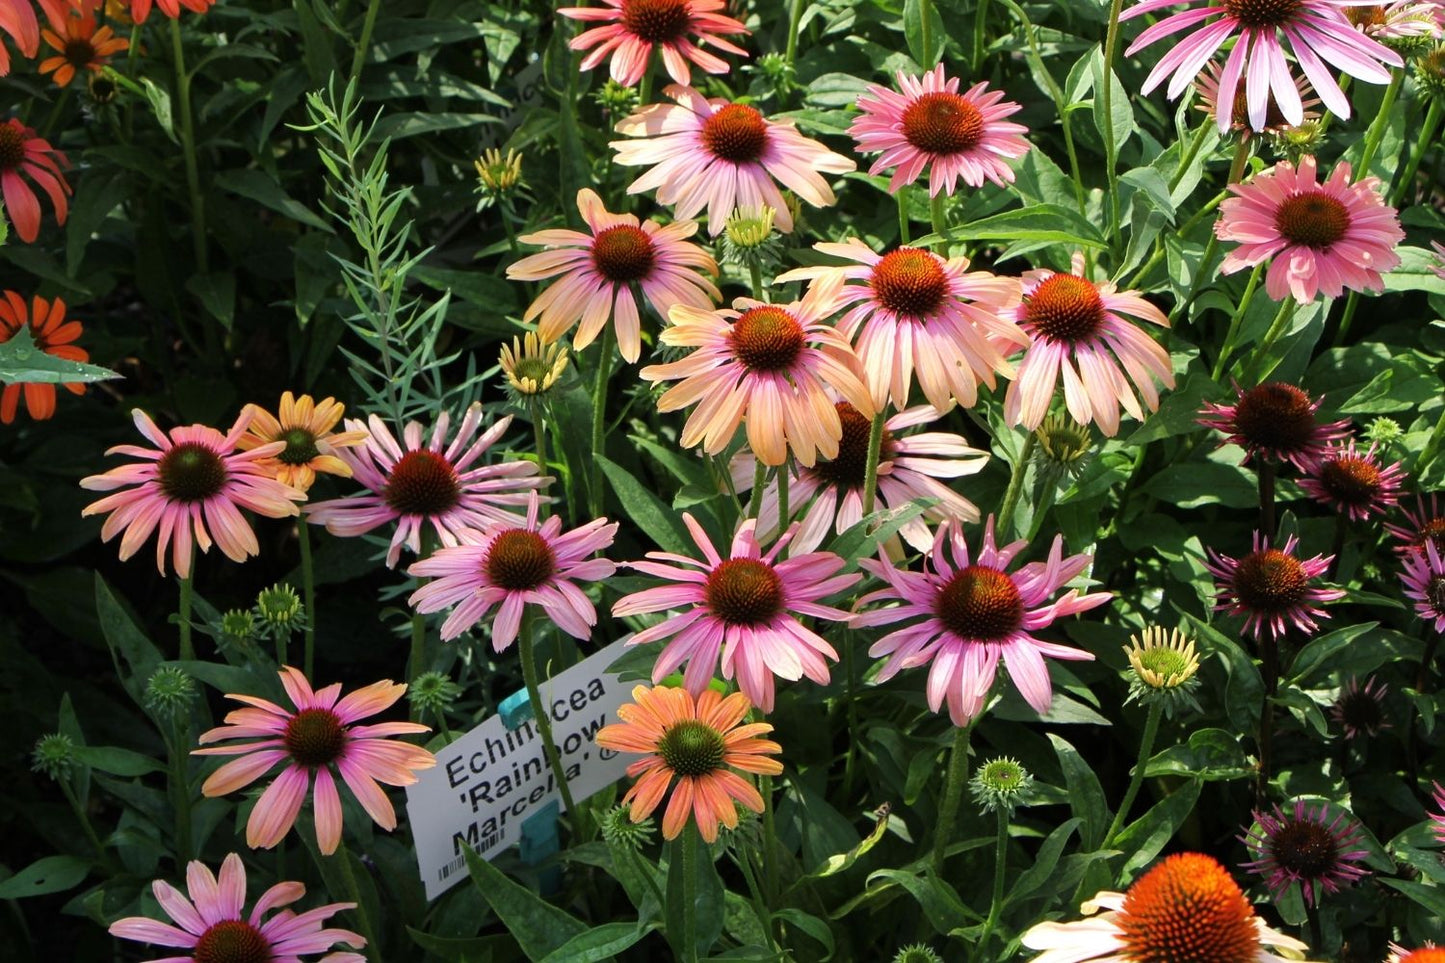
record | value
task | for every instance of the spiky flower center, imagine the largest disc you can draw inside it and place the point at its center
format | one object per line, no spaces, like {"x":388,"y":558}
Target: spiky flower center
{"x":850,"y":468}
{"x":1312,"y":218}
{"x":12,"y":146}
{"x":1361,"y":710}
{"x":232,"y":941}
{"x":1275,"y":417}
{"x":1188,"y":910}
{"x":300,"y":447}
{"x":191,"y":472}
{"x":520,"y":560}
{"x":735,"y":133}
{"x":980,"y":602}
{"x":692,"y":748}
{"x":1435,"y":592}
{"x":767,"y":339}
{"x":1432,"y":531}
{"x":314,"y":737}
{"x":1270,"y":581}
{"x":1002,"y":775}
{"x":1367,"y":16}
{"x":1351,"y":479}
{"x":1304,"y":848}
{"x":744,"y":591}
{"x":623,"y":253}
{"x":1263,"y":13}
{"x":1273,"y":118}
{"x":79,"y":52}
{"x":422,"y":483}
{"x":942,"y":123}
{"x":656,"y":21}
{"x":1065,"y":308}
{"x":909,"y":282}
{"x":1166,"y":663}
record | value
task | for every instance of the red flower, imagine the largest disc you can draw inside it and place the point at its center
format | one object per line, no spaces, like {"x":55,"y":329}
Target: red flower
{"x":53,"y":335}
{"x":17,"y":18}
{"x":140,"y":9}
{"x":21,"y":151}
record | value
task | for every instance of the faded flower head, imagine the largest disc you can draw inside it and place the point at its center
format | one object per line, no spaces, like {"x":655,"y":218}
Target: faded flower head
{"x":1360,"y":709}
{"x":1305,"y":846}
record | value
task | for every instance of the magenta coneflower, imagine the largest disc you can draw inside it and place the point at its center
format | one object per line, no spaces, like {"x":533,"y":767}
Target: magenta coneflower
{"x":1439,"y":818}
{"x":909,"y":467}
{"x":1424,"y":582}
{"x":213,"y":926}
{"x":1276,"y":421}
{"x":724,"y":157}
{"x":928,"y":122}
{"x":310,"y":740}
{"x":1079,"y":331}
{"x":1360,"y":709}
{"x":1207,"y":86}
{"x":965,"y":613}
{"x":1306,"y":847}
{"x":1425,"y":525}
{"x":1315,"y":29}
{"x":509,"y":567}
{"x":915,"y":312}
{"x":634,"y":27}
{"x":1270,"y":587}
{"x":1403,"y":19}
{"x":1352,"y":483}
{"x":22,"y":152}
{"x":770,"y":365}
{"x":742,"y":609}
{"x":1322,"y":237}
{"x":599,"y":270}
{"x":415,"y":483}
{"x":190,"y":487}
{"x":1438,"y":266}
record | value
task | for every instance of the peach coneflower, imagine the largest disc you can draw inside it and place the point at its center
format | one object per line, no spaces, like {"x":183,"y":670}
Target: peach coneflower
{"x":319,"y":734}
{"x":634,"y":27}
{"x":1319,"y":237}
{"x":213,"y":927}
{"x":1079,"y":331}
{"x":1271,"y":588}
{"x":598,"y":271}
{"x":53,"y":335}
{"x":78,"y":44}
{"x":917,"y":313}
{"x":697,"y":743}
{"x":928,"y":123}
{"x":21,"y":152}
{"x":769,"y":365}
{"x":724,"y":157}
{"x":1275,"y":421}
{"x":189,"y":488}
{"x":1187,"y":908}
{"x":305,"y":425}
{"x":1354,"y":483}
{"x":1305,"y":846}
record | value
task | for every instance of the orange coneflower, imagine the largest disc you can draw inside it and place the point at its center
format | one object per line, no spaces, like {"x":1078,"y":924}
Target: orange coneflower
{"x":305,"y":425}
{"x":78,"y":43}
{"x":697,"y":742}
{"x":53,"y":335}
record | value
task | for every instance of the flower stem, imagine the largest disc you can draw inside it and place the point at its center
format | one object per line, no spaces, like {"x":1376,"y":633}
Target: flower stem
{"x":353,"y":888}
{"x":544,"y":719}
{"x":760,"y":476}
{"x":795,"y":17}
{"x":689,"y":891}
{"x":1422,"y":147}
{"x":1111,"y":149}
{"x":85,"y":823}
{"x":902,"y":200}
{"x":1236,"y":320}
{"x":940,"y":222}
{"x":539,"y":441}
{"x":180,"y":789}
{"x":1422,"y":680}
{"x":308,"y":590}
{"x":1351,"y":303}
{"x":1266,"y":498}
{"x":1376,"y":133}
{"x":599,"y":418}
{"x":783,"y":498}
{"x":925,"y":32}
{"x":770,"y":839}
{"x":978,"y":46}
{"x":875,"y":453}
{"x":183,"y":616}
{"x":952,"y":794}
{"x":1260,"y":364}
{"x":1015,"y":487}
{"x":188,"y":146}
{"x":363,"y":46}
{"x":1000,"y":863}
{"x":418,"y":651}
{"x":1269,"y":650}
{"x":1146,"y":749}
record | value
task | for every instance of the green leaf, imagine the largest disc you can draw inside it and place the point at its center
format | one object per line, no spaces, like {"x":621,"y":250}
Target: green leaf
{"x":707,"y":893}
{"x":913,"y":12}
{"x":473,"y":949}
{"x":1120,"y":103}
{"x":1037,"y":222}
{"x":661,"y":523}
{"x":160,"y":101}
{"x":1210,"y":754}
{"x":136,"y":657}
{"x":858,"y":542}
{"x":599,"y":943}
{"x":1086,"y":796}
{"x":1043,"y":866}
{"x":22,"y":362}
{"x":539,"y":927}
{"x":842,"y":861}
{"x":817,"y":929}
{"x":1144,"y":838}
{"x":117,"y":761}
{"x":52,"y":874}
{"x":217,"y":293}
{"x":1320,"y":652}
{"x":940,"y":902}
{"x":258,"y":186}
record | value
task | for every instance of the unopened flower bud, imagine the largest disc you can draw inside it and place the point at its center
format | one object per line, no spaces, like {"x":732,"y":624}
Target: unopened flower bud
{"x":53,"y":755}
{"x":1000,"y":783}
{"x":169,"y":692}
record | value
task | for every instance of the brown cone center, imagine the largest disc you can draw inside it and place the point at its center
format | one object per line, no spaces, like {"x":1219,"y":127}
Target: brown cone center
{"x":744,"y":591}
{"x":981,"y":603}
{"x":1313,"y":219}
{"x":909,"y":282}
{"x":735,"y":133}
{"x":942,"y":123}
{"x":520,"y":560}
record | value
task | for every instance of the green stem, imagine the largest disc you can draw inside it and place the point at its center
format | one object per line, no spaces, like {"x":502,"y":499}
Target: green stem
{"x":1266,"y":498}
{"x":755,"y":894}
{"x":875,"y":453}
{"x":795,"y":17}
{"x":353,"y":888}
{"x":363,"y":46}
{"x":1422,"y":147}
{"x":902,"y":199}
{"x":755,"y":501}
{"x":188,"y":146}
{"x":1000,"y":863}
{"x":1382,"y":121}
{"x":1146,"y":749}
{"x":544,"y":719}
{"x":1351,"y":304}
{"x":539,"y":441}
{"x":308,"y":590}
{"x":952,"y":794}
{"x":644,"y":86}
{"x":925,"y":32}
{"x":1259,"y":365}
{"x":85,"y":824}
{"x":645,"y":871}
{"x":1111,"y":149}
{"x":978,"y":40}
{"x":187,"y":651}
{"x":283,"y":640}
{"x":1202,"y":273}
{"x":1432,"y":447}
{"x":770,"y":838}
{"x":689,"y":891}
{"x":418,"y":651}
{"x":1195,"y":144}
{"x":180,"y":789}
{"x":1015,"y":487}
{"x":783,"y":498}
{"x":755,"y":277}
{"x":1236,"y":320}
{"x":599,"y":419}
{"x":940,"y":222}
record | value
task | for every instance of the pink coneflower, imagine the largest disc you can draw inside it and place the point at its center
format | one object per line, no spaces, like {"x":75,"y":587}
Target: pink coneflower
{"x":1439,"y":818}
{"x":598,"y":271}
{"x":1315,"y":29}
{"x":1424,"y":582}
{"x":928,"y":122}
{"x":1426,"y":525}
{"x":1270,"y":587}
{"x":1403,"y":19}
{"x":190,"y":487}
{"x":724,"y":157}
{"x":316,"y":736}
{"x":909,"y":467}
{"x":770,"y":365}
{"x":1360,"y":709}
{"x":1079,"y":331}
{"x":635,"y":27}
{"x":1305,"y":847}
{"x":743,"y":608}
{"x":213,"y":926}
{"x":1322,"y":237}
{"x":1207,"y":85}
{"x":965,"y":613}
{"x":1277,"y":421}
{"x":1353,"y":483}
{"x":21,"y":152}
{"x":1438,"y":267}
{"x":915,"y":312}
{"x":418,"y":483}
{"x":509,"y":567}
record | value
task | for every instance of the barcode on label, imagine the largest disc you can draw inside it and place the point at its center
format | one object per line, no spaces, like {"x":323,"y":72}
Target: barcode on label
{"x":454,"y":866}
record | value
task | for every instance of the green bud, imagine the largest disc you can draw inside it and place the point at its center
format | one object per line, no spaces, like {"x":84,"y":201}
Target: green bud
{"x":1000,"y":783}
{"x":619,"y":829}
{"x":917,"y":953}
{"x":53,"y":755}
{"x":432,"y":692}
{"x":280,"y":611}
{"x":238,"y":627}
{"x":169,"y":692}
